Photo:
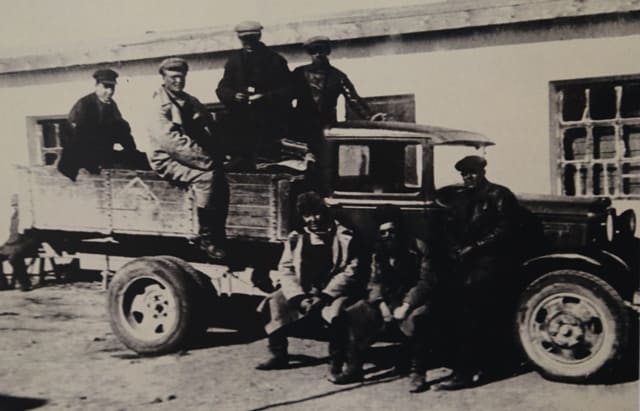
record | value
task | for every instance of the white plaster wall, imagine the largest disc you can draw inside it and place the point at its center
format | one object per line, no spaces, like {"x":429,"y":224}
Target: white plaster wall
{"x":502,"y":91}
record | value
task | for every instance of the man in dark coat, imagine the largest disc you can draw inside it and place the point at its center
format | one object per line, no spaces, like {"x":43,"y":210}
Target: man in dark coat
{"x":96,"y":125}
{"x":316,"y":88}
{"x":483,"y":233}
{"x":402,"y":291}
{"x":255,"y":89}
{"x":184,"y":149}
{"x":320,"y":275}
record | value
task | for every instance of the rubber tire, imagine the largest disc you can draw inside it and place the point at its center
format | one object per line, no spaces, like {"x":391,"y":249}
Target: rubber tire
{"x":182,"y":288}
{"x":600,"y":294}
{"x":205,"y":297}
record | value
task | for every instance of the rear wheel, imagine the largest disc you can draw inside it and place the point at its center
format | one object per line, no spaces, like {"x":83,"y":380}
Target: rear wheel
{"x":572,"y":325}
{"x":151,"y":305}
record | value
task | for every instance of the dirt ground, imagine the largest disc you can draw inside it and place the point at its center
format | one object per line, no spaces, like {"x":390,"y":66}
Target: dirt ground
{"x":57,"y":351}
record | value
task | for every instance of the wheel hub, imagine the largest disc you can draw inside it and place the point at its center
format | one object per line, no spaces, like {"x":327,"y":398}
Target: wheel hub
{"x":149,"y":309}
{"x":567,"y":327}
{"x":565,"y":330}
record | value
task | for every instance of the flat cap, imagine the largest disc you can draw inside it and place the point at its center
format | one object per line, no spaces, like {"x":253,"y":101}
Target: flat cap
{"x":471,"y":163}
{"x":309,"y":203}
{"x":317,"y":41}
{"x":174,"y":64}
{"x":107,"y":76}
{"x":247,"y":28}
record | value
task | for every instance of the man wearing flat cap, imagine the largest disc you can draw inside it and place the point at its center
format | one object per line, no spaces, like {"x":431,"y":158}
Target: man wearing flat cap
{"x":185,"y":149}
{"x":482,"y":240}
{"x":96,"y":125}
{"x":316,"y":88}
{"x":255,"y":89}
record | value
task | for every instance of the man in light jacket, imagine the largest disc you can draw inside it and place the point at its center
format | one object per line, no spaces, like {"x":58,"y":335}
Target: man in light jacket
{"x":184,"y":149}
{"x":320,"y":275}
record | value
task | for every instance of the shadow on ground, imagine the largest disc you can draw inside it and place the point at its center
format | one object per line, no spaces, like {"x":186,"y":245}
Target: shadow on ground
{"x":10,"y":403}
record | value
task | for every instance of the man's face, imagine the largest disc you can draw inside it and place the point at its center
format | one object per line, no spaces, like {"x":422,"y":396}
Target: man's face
{"x":388,"y":234}
{"x":174,"y":81}
{"x":472,"y":178}
{"x":316,"y":222}
{"x":105,"y":92}
{"x":319,"y":55}
{"x":249,"y":42}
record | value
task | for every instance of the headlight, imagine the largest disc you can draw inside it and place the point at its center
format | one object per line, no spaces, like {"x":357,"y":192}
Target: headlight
{"x":609,"y":225}
{"x":625,"y":224}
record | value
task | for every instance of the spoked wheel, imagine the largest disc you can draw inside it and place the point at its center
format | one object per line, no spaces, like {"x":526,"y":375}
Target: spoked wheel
{"x":153,"y":305}
{"x":571,"y":325}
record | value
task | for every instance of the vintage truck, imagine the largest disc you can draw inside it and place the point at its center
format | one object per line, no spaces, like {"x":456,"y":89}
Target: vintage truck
{"x":576,"y":298}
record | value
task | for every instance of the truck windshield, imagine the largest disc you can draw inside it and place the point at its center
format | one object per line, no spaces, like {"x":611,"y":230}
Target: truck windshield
{"x":379,"y":167}
{"x":444,"y":160}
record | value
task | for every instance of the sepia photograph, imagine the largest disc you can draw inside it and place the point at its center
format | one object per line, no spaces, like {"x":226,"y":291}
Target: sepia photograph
{"x":320,"y":205}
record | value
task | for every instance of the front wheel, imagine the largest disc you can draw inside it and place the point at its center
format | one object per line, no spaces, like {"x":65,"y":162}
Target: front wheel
{"x":572,"y":325}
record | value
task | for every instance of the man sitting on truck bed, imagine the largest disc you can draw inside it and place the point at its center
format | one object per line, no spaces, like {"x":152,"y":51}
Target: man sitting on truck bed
{"x":96,"y":125}
{"x":185,"y":150}
{"x":320,"y":274}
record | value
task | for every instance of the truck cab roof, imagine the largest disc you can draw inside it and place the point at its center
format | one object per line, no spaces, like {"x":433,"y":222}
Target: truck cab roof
{"x":390,"y":130}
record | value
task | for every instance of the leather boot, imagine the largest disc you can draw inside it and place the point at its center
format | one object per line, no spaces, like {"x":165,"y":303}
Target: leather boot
{"x":353,"y":370}
{"x":338,"y":342}
{"x":278,"y":347}
{"x":417,"y":380}
{"x":206,"y":239}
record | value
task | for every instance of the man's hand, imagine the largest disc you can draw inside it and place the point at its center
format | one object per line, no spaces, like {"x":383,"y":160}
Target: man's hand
{"x":379,"y":117}
{"x":386,"y":312}
{"x":310,"y":304}
{"x":257,"y":96}
{"x":458,"y":253}
{"x":241,"y":97}
{"x":400,"y":313}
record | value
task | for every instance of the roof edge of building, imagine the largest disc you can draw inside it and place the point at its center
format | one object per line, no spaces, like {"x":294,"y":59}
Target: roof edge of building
{"x":357,"y":24}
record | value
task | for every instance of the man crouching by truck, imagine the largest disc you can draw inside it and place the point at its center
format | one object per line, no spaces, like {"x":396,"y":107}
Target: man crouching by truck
{"x":320,"y":275}
{"x":185,"y":150}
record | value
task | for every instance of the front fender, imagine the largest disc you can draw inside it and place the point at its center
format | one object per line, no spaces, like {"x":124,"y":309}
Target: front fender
{"x":609,"y":267}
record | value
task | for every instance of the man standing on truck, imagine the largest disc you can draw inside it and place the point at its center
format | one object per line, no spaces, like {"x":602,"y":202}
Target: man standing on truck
{"x":255,"y":88}
{"x":485,"y":217}
{"x":320,"y":274}
{"x":401,"y":293}
{"x":96,"y":125}
{"x":316,"y":88}
{"x":185,"y":150}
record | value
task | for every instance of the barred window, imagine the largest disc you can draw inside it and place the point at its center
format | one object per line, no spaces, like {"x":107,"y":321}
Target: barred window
{"x":596,"y":134}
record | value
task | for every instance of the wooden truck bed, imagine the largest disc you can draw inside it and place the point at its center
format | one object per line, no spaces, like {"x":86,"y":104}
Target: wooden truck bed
{"x":140,"y":202}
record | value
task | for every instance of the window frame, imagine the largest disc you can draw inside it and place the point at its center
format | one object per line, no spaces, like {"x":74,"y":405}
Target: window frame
{"x":417,"y":193}
{"x":35,"y":139}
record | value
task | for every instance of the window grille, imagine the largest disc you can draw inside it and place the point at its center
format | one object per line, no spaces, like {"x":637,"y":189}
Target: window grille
{"x":596,"y":130}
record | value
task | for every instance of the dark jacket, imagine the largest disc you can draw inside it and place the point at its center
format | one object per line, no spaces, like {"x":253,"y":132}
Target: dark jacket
{"x":266,"y":72}
{"x":410,"y":280}
{"x":317,"y":90}
{"x":95,"y":128}
{"x":485,"y":218}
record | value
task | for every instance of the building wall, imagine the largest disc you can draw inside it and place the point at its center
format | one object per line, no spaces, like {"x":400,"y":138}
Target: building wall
{"x":501,"y":90}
